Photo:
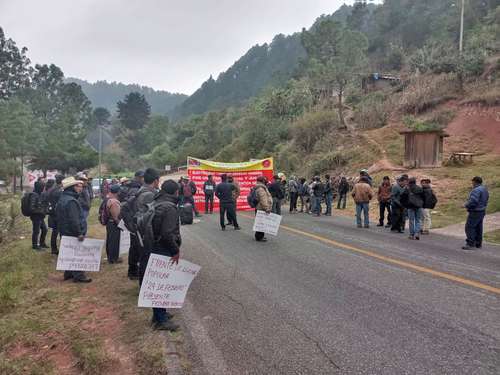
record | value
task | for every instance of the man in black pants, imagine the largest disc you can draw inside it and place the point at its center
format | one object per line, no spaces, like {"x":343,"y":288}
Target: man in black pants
{"x":53,"y":196}
{"x":224,"y":191}
{"x":208,"y":189}
{"x":135,"y":246}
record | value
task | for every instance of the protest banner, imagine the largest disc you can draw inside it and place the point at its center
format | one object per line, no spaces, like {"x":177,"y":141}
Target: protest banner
{"x":124,"y":241}
{"x":77,"y":255}
{"x":245,"y":174}
{"x":267,"y":223}
{"x":165,"y":284}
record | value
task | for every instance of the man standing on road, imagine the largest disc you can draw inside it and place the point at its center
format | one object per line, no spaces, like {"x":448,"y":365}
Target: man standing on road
{"x":276,"y":190}
{"x":476,"y":207}
{"x":265,"y":203}
{"x":293,"y":188}
{"x":39,"y":229}
{"x":413,"y":199}
{"x":188,"y":190}
{"x":384,"y":201}
{"x":362,"y":194}
{"x":53,"y":196}
{"x":328,"y":195}
{"x":112,"y":230}
{"x":135,"y":246}
{"x":318,"y":190}
{"x":144,"y":196}
{"x":397,"y":208}
{"x":84,"y":199}
{"x":343,"y":190}
{"x":430,"y":201}
{"x":167,"y":241}
{"x":224,"y":191}
{"x":209,"y":189}
{"x":70,"y":220}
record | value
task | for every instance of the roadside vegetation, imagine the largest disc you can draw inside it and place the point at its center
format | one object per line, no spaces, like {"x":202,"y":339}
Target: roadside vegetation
{"x":48,"y":326}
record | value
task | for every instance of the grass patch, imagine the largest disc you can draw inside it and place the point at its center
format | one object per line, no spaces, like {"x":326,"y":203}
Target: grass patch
{"x":493,"y":237}
{"x":90,"y":353}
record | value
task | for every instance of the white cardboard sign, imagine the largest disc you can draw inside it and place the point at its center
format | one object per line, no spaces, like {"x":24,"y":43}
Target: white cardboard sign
{"x":267,"y":223}
{"x":77,"y":255}
{"x":165,"y":285}
{"x":124,"y":241}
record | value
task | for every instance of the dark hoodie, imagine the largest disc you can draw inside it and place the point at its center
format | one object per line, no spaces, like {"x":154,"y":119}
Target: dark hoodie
{"x":166,"y":225}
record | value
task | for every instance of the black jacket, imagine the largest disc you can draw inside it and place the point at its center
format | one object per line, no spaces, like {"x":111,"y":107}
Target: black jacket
{"x":224,"y":191}
{"x":84,"y":199}
{"x":318,"y":189}
{"x":276,"y":190}
{"x":343,"y":187}
{"x":413,"y":197}
{"x":166,"y":225}
{"x":69,"y":214}
{"x":430,"y":199}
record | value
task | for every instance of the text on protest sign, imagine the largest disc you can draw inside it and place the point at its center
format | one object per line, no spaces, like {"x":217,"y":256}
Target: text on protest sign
{"x":77,"y":255}
{"x":267,"y":223}
{"x":165,"y":285}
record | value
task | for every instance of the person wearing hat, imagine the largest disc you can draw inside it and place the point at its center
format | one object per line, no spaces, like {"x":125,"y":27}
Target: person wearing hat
{"x":112,"y":230}
{"x":430,"y":201}
{"x":135,"y":247}
{"x":84,"y":199}
{"x":167,"y":241}
{"x":476,"y":210}
{"x":70,"y":221}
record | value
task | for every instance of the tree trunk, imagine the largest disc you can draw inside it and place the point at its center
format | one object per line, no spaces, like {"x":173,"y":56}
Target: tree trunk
{"x":341,"y":109}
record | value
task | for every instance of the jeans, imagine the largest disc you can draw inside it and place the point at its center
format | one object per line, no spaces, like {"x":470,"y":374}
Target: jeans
{"x":230,"y":207}
{"x":383,"y":206}
{"x":474,"y":228}
{"x":415,"y":220}
{"x":85,"y":214}
{"x":302,"y":200}
{"x":38,"y":226}
{"x":316,"y":205}
{"x":276,"y":206}
{"x":159,"y":315}
{"x":329,"y":201}
{"x":343,"y":200}
{"x":365,"y":209}
{"x":209,"y":203}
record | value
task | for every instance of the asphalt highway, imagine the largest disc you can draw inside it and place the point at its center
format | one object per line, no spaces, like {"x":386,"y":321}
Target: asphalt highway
{"x":324,"y":297}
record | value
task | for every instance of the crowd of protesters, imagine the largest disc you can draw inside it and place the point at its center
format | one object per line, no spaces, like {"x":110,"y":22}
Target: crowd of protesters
{"x":153,"y":213}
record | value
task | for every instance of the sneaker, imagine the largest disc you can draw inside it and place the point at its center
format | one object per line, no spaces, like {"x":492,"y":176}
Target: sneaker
{"x":166,"y":326}
{"x":380,"y":224}
{"x":388,"y":226}
{"x":36,"y":247}
{"x":262,"y":240}
{"x":43,"y":246}
{"x":223,"y":228}
{"x":467,"y":247}
{"x":417,"y":238}
{"x":237,"y":228}
{"x":410,"y":237}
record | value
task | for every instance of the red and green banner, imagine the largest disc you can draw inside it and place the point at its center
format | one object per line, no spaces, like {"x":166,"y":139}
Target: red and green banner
{"x":245,"y":175}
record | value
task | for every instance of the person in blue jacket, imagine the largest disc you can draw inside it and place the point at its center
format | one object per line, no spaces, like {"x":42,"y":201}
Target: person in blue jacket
{"x":476,"y":207}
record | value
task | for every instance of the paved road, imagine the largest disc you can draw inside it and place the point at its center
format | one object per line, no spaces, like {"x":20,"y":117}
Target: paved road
{"x":327,"y":298}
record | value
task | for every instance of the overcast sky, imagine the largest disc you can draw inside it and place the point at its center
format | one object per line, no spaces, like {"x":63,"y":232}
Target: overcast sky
{"x":164,"y":44}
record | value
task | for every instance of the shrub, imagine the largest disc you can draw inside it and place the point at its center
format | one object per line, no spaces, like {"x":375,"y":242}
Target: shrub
{"x":311,"y":127}
{"x":372,"y":111}
{"x":420,"y":125}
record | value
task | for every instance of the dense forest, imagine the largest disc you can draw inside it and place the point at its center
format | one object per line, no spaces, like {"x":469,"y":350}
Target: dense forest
{"x":107,"y":94}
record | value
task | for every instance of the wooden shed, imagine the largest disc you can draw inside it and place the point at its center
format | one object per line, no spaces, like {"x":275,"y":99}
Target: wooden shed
{"x":423,"y":149}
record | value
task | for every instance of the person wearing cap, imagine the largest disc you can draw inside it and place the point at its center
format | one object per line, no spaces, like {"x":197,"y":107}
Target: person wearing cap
{"x":84,"y":199}
{"x":112,"y":230}
{"x":364,"y":173}
{"x":70,"y":221}
{"x":476,"y":207}
{"x":135,"y":247}
{"x":124,"y":189}
{"x":167,"y":241}
{"x":362,"y":195}
{"x":209,"y":189}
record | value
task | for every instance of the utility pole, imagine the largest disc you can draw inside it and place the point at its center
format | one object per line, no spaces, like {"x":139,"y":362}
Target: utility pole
{"x":461,"y":45}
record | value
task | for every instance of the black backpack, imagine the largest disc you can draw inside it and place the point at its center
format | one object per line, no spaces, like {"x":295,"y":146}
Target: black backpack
{"x":432,"y":201}
{"x":252,"y":198}
{"x":103,"y":212}
{"x":144,"y":227}
{"x":29,"y":204}
{"x":128,"y":212}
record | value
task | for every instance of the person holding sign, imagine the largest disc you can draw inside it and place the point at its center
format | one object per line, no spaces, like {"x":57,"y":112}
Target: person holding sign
{"x":160,"y":228}
{"x":71,"y":221}
{"x":264,"y":203}
{"x":209,"y":190}
{"x":112,"y":230}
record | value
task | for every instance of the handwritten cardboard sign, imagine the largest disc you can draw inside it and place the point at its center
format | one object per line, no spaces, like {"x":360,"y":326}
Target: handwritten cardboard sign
{"x":165,"y":285}
{"x":267,"y":223}
{"x":124,"y":242}
{"x":79,"y":256}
